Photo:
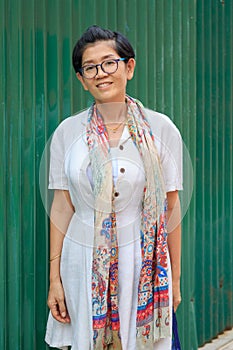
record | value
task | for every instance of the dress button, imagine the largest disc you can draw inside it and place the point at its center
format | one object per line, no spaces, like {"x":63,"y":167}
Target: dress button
{"x":122,"y":170}
{"x":116,"y":194}
{"x":121,"y":147}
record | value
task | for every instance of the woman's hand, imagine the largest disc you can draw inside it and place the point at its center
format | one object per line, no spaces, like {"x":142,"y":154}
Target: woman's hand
{"x":56,"y":302}
{"x":176,"y":294}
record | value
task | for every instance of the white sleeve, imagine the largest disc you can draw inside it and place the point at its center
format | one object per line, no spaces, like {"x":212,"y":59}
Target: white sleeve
{"x":57,"y":176}
{"x":169,"y":146}
{"x":171,"y":159}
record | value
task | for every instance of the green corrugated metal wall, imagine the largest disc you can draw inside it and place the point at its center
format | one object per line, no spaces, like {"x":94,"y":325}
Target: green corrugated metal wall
{"x":214,"y":214}
{"x":38,"y":89}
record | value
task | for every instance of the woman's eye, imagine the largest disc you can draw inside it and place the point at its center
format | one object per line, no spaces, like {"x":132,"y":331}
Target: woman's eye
{"x":109,"y":63}
{"x":89,"y":68}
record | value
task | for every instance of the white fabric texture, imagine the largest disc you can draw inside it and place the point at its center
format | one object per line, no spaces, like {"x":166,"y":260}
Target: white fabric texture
{"x":69,"y":170}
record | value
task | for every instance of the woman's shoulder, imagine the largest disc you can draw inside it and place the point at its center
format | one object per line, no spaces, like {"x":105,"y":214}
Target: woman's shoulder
{"x":167,"y":135}
{"x":160,"y":123}
{"x":73,"y":122}
{"x":70,"y":129}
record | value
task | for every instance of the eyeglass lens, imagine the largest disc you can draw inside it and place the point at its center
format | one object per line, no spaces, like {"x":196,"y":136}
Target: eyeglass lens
{"x":109,"y":67}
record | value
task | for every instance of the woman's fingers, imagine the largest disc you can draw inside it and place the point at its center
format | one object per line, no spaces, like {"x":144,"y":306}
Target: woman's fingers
{"x":59,"y":311}
{"x":56,"y":313}
{"x":63,"y":311}
{"x":176,"y":303}
{"x":176,"y":295}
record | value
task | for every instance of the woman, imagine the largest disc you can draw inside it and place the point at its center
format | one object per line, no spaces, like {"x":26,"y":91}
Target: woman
{"x":113,"y":168}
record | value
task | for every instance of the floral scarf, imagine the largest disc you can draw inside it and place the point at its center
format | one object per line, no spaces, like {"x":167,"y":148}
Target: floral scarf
{"x":153,"y":302}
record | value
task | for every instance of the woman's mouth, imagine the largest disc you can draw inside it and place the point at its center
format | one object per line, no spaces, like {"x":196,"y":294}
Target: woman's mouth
{"x":103,"y":85}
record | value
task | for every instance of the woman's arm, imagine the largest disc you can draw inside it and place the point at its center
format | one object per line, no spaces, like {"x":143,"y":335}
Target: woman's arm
{"x":61,"y":212}
{"x":174,"y":243}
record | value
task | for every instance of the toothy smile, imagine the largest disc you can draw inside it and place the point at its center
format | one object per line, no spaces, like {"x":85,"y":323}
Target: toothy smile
{"x":103,"y":85}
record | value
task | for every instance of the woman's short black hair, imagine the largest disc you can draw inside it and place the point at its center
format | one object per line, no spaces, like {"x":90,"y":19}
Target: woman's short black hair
{"x":96,"y":33}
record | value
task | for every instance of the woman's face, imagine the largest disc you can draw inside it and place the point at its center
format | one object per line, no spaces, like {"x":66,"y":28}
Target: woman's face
{"x":106,"y":87}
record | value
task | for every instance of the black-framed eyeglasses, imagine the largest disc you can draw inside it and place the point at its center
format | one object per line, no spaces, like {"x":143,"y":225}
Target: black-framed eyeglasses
{"x":109,"y":66}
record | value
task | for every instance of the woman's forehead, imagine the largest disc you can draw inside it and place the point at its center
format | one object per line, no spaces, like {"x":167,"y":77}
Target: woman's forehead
{"x":98,"y":50}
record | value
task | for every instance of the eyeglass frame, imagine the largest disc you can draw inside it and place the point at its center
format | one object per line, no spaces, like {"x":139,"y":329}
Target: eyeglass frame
{"x":80,"y":70}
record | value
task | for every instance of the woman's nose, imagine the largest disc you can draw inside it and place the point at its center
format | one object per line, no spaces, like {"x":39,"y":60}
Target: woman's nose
{"x":100,"y":72}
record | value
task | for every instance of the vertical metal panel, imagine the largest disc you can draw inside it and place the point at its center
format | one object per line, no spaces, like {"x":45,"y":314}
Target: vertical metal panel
{"x":3,"y":161}
{"x":214,"y":304}
{"x":13,"y":171}
{"x":26,"y":117}
{"x":38,"y":89}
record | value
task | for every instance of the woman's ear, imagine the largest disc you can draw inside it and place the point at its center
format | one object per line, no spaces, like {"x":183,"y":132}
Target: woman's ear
{"x":80,"y":78}
{"x":130,"y":68}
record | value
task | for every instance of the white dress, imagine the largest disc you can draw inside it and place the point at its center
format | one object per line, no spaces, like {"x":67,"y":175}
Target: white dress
{"x":70,"y":170}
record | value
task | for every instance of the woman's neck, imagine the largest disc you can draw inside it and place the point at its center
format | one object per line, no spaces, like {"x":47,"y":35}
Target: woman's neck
{"x":113,"y":113}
